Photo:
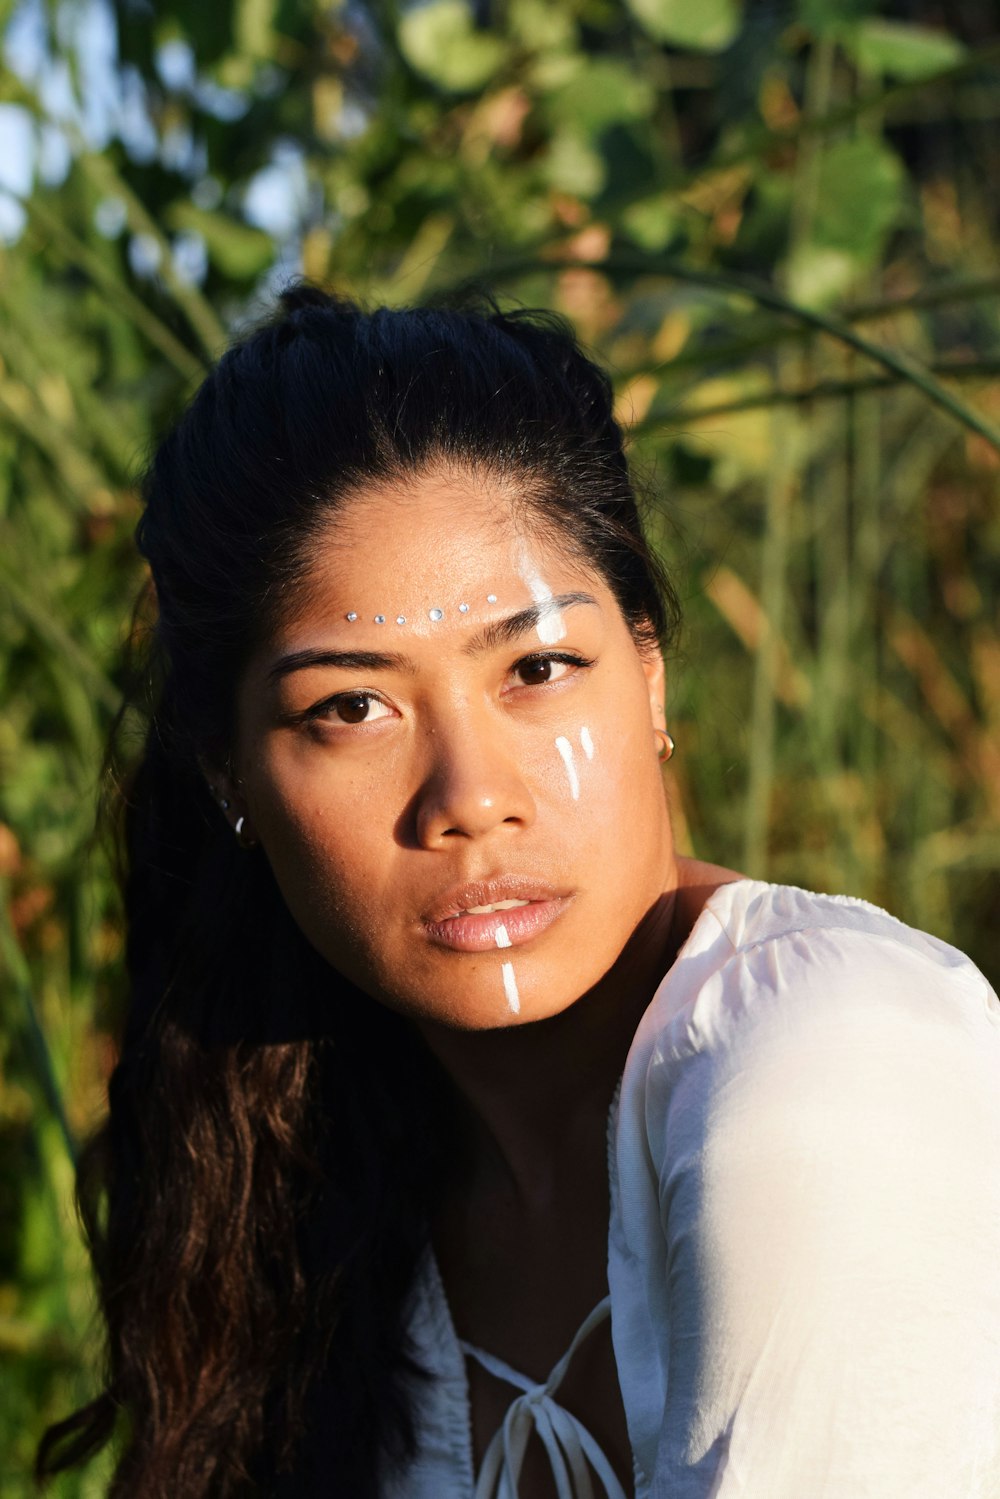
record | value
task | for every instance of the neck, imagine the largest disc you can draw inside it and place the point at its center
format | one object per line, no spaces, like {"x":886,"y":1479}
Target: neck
{"x":536,"y":1094}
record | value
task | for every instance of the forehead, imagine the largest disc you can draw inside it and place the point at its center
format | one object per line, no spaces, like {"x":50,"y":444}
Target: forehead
{"x":429,"y":506}
{"x":436,"y":541}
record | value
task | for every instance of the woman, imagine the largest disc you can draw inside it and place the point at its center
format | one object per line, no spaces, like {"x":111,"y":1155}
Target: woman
{"x":464,"y":1137}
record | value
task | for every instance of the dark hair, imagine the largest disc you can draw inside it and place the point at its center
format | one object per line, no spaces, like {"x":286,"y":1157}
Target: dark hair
{"x":258,"y":1199}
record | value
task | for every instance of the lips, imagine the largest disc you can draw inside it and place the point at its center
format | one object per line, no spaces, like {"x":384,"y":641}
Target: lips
{"x":497,"y":913}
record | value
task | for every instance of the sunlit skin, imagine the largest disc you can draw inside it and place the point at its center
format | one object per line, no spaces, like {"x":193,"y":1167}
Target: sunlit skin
{"x":376,"y":789}
{"x":377,"y":784}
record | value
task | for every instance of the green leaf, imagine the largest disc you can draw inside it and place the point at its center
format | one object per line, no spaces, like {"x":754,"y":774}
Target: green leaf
{"x":896,"y":50}
{"x":254,"y":27}
{"x":599,"y":94}
{"x":859,"y":200}
{"x":573,"y":166}
{"x":832,"y":17}
{"x":651,"y":223}
{"x":541,"y":26}
{"x":819,"y":276}
{"x":859,"y":197}
{"x":440,"y":41}
{"x":702,"y":25}
{"x":236,"y":249}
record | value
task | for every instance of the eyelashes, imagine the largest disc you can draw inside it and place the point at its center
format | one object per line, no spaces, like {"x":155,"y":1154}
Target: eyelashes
{"x":539,"y":669}
{"x":542,"y":662}
{"x":352,"y":707}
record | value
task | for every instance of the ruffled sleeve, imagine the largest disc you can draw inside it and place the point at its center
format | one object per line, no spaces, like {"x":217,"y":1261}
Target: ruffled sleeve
{"x":821,"y":1142}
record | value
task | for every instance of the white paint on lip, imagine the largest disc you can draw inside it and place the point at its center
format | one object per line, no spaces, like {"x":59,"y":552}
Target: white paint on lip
{"x":510,"y":988}
{"x":566,"y":750}
{"x":587,"y":744}
{"x":550,"y":623}
{"x":501,"y":936}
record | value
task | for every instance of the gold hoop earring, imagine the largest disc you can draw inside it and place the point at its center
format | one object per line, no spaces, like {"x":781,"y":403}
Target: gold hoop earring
{"x":665,"y":745}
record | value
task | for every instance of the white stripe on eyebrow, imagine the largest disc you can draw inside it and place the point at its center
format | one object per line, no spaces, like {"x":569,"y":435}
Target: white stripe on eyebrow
{"x":502,"y":631}
{"x":551,"y":627}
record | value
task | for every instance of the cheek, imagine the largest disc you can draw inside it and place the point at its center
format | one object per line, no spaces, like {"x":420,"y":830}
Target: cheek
{"x":603,"y":760}
{"x":325,"y":838}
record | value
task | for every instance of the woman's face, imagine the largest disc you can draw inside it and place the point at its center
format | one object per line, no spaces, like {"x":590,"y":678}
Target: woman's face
{"x":447,"y":754}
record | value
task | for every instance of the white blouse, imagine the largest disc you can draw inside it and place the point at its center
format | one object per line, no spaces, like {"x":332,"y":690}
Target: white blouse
{"x":804,"y":1243}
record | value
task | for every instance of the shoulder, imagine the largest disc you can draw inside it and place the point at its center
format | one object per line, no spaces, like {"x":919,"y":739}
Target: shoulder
{"x":762,"y":950}
{"x":806,"y":1199}
{"x":792,"y":991}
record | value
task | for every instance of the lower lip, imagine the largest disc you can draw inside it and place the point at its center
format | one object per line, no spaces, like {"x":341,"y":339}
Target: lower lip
{"x":469,"y":933}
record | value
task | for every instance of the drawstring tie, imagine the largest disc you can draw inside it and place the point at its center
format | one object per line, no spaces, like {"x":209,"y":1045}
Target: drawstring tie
{"x":567,"y":1441}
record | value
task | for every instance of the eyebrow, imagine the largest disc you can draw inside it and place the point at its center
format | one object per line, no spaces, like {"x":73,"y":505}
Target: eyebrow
{"x":350,"y":660}
{"x":497,"y":633}
{"x":502,"y":631}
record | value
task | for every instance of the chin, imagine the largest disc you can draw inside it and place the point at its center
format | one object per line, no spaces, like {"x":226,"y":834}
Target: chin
{"x":495,"y":1002}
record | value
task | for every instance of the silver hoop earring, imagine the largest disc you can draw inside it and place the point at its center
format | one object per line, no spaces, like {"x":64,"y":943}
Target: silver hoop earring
{"x":245,"y":840}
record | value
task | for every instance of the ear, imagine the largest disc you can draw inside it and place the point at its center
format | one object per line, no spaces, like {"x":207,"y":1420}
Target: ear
{"x":656,"y":681}
{"x":223,"y":788}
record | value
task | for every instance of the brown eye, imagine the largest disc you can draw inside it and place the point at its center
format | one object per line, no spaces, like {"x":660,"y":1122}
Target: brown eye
{"x":348,"y":710}
{"x":537,"y":671}
{"x":534,"y":673}
{"x":353,"y":709}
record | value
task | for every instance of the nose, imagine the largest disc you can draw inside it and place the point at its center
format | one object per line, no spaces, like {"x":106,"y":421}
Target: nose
{"x":472,"y":786}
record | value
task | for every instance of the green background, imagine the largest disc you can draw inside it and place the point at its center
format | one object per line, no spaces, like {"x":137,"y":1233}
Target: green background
{"x":778,"y":230}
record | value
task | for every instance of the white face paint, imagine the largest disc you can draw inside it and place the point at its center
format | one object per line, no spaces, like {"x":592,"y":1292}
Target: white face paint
{"x":586,"y":743}
{"x":566,"y":750}
{"x":502,"y":937}
{"x":551,"y":626}
{"x":510,"y":988}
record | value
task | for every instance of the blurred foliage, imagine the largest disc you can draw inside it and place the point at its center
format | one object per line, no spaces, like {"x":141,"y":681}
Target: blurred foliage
{"x":777,"y":226}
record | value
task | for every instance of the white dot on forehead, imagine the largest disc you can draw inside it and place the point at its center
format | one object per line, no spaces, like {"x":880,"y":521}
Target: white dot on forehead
{"x":401,"y":619}
{"x":435,"y":614}
{"x":463,"y":608}
{"x":352,"y":616}
{"x":491,"y":598}
{"x":380,"y":619}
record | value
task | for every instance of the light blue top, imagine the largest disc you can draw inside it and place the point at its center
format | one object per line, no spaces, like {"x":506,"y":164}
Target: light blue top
{"x":804,"y":1243}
